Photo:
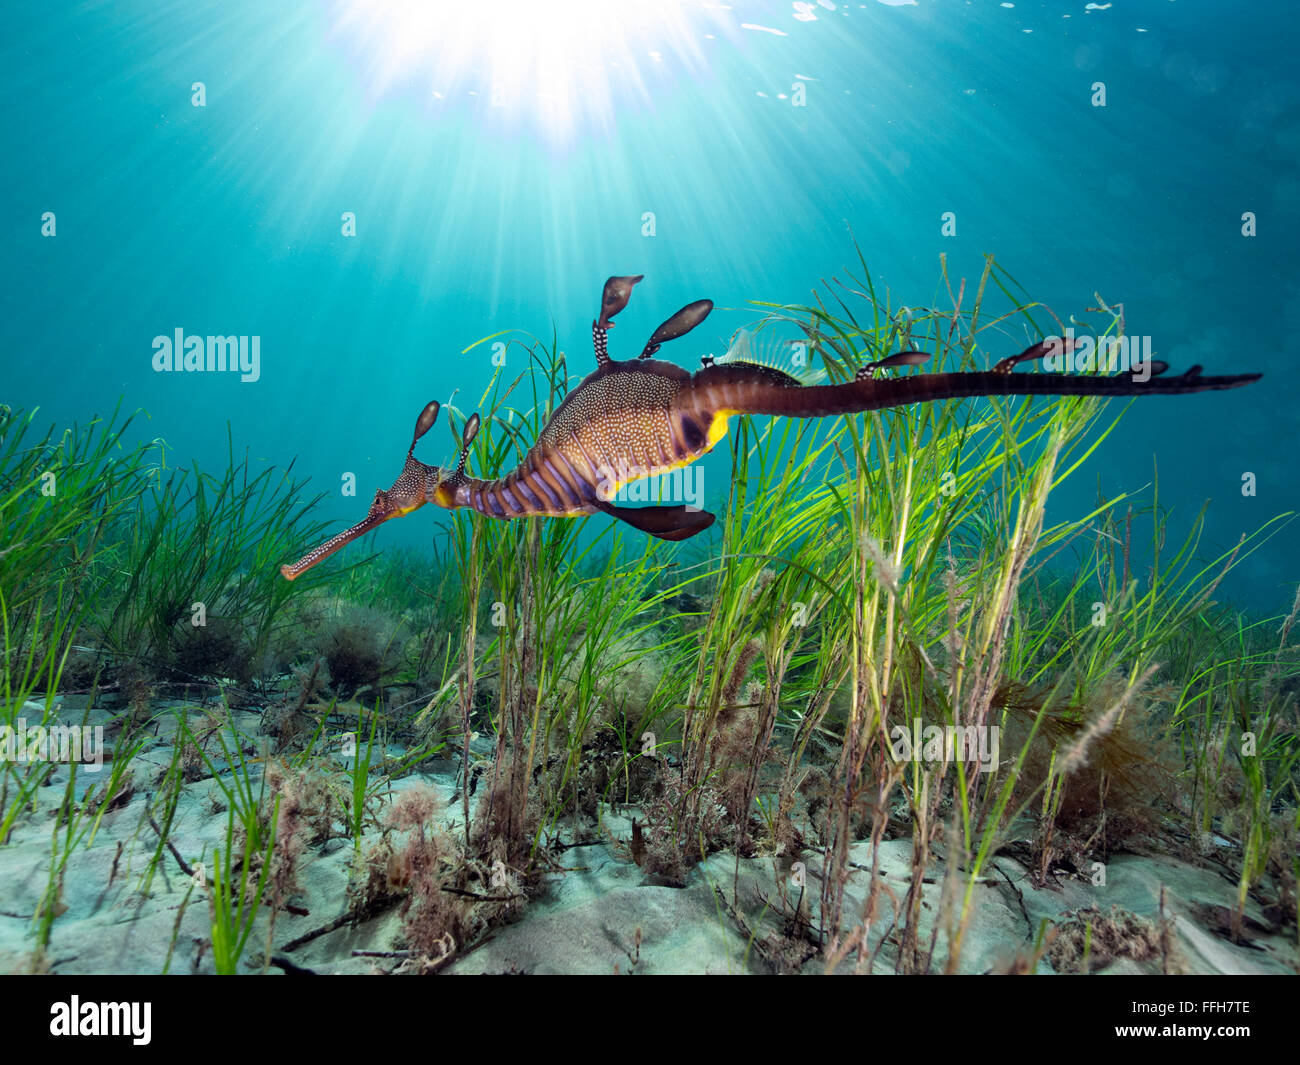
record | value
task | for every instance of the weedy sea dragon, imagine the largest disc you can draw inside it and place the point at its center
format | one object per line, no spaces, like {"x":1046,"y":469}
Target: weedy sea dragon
{"x":642,"y":417}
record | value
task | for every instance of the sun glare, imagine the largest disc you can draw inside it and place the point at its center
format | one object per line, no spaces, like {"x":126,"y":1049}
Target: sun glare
{"x":559,"y":64}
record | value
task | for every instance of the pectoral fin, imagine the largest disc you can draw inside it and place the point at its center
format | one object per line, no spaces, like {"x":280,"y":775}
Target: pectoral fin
{"x":666,"y":523}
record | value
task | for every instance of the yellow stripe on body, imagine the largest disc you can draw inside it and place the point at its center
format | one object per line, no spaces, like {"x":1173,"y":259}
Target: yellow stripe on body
{"x":718,"y":427}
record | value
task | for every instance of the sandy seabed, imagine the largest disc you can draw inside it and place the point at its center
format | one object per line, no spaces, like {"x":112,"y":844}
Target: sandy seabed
{"x":587,"y":918}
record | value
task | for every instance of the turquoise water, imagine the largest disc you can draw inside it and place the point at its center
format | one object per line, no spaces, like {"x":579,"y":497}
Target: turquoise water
{"x":480,"y":205}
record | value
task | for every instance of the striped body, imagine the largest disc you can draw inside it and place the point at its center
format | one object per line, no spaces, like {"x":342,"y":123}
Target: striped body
{"x":625,"y":421}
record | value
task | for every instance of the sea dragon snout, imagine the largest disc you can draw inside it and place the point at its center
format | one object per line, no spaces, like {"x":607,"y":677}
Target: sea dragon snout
{"x":419,"y":484}
{"x":642,"y":417}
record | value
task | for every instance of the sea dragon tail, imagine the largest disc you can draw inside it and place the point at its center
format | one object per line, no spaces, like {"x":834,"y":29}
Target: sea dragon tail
{"x":751,"y":389}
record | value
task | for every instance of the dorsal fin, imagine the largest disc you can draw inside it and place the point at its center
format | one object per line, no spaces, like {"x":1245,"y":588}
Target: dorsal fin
{"x":771,"y":352}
